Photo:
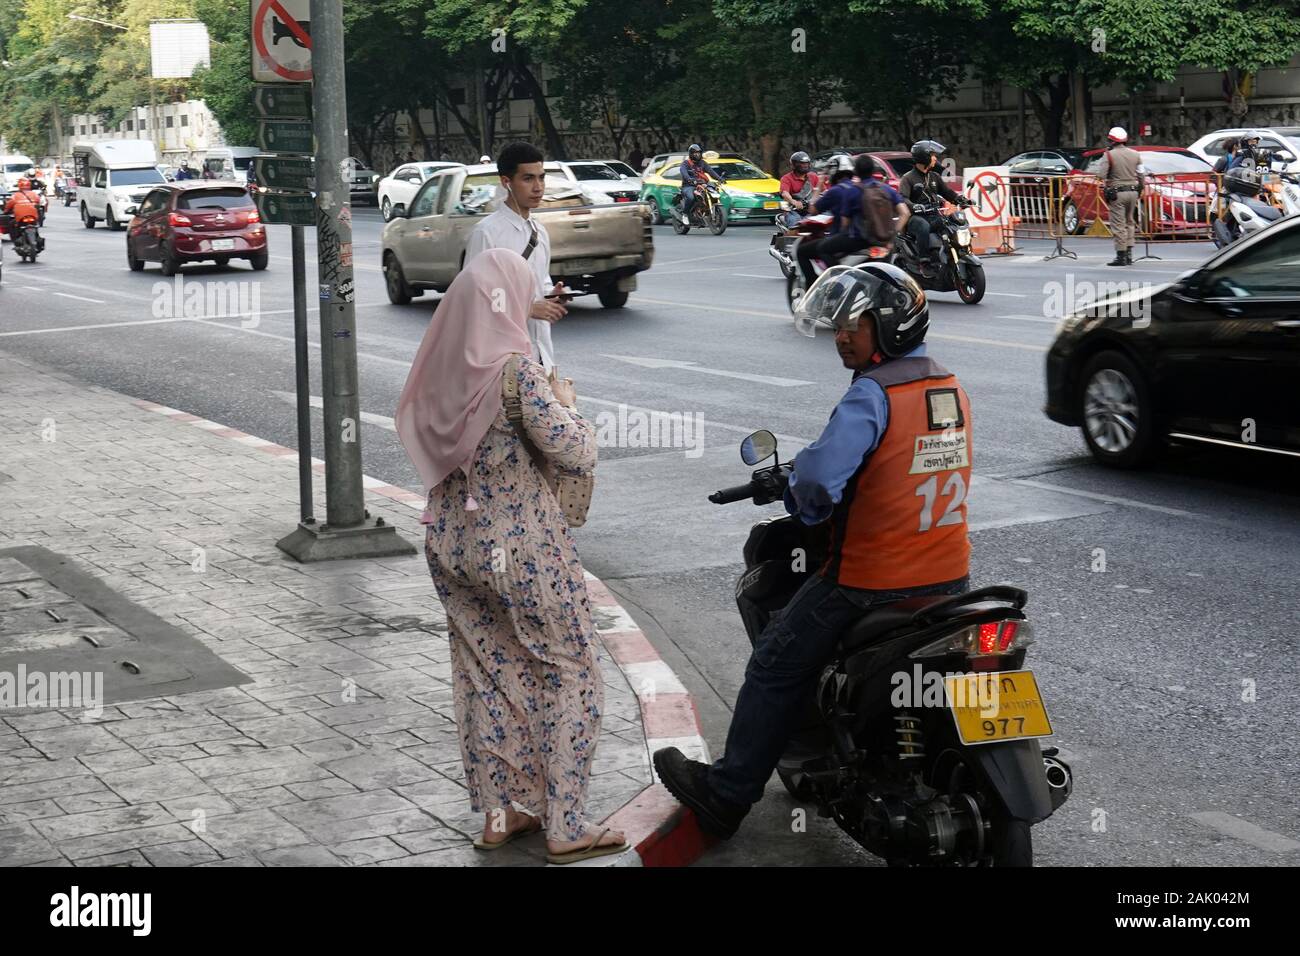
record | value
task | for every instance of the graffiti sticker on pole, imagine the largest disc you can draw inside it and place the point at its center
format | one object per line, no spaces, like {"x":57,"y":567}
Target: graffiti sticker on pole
{"x":281,"y":41}
{"x":986,"y":187}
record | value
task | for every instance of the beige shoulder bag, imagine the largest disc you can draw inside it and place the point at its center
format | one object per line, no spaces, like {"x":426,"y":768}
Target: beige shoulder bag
{"x":572,"y":489}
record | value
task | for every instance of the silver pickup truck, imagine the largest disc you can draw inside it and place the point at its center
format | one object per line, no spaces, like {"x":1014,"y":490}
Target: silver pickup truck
{"x":594,"y":248}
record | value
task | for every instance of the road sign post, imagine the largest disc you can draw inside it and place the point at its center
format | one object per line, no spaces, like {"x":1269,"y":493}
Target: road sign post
{"x":349,"y":531}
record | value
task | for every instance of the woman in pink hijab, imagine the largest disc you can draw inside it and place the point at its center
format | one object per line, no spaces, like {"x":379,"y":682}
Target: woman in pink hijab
{"x":528,"y":688}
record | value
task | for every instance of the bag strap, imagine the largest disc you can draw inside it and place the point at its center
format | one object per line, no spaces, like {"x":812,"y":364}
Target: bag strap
{"x":515,"y":409}
{"x":532,"y":240}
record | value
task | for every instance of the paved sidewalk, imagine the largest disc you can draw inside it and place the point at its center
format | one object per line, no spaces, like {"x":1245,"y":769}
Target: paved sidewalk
{"x":341,"y":747}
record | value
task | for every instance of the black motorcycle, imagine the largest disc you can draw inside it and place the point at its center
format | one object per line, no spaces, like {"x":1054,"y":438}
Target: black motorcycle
{"x":948,"y":265}
{"x":26,"y":238}
{"x":920,"y":740}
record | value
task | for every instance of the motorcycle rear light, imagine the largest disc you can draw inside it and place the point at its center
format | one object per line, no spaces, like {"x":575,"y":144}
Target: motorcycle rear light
{"x":992,"y":639}
{"x":176,"y":219}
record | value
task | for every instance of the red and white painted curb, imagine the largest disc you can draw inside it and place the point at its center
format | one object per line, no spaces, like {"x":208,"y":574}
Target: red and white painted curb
{"x":660,"y":830}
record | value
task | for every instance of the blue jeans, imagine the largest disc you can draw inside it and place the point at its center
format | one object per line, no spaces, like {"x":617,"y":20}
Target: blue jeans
{"x":787,"y":659}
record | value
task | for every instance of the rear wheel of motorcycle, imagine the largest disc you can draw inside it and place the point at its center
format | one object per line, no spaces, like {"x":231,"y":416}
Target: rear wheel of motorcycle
{"x":794,"y":289}
{"x":1011,"y":843}
{"x":718,"y":220}
{"x":971,"y":288}
{"x":679,"y":226}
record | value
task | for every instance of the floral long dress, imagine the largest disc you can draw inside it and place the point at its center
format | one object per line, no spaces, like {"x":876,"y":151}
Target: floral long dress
{"x":528,"y":688}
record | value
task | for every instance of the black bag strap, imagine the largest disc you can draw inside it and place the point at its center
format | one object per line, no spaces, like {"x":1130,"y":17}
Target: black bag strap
{"x":532,"y":240}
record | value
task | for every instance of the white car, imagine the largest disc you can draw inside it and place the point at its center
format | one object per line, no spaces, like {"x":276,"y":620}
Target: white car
{"x":1283,"y":140}
{"x":601,"y":181}
{"x":401,"y":185}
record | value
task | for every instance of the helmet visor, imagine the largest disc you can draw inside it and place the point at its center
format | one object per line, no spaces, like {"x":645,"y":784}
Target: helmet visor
{"x":838,"y":300}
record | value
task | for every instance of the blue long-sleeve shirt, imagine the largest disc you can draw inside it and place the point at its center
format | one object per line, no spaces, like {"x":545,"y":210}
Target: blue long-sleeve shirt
{"x":823,"y":469}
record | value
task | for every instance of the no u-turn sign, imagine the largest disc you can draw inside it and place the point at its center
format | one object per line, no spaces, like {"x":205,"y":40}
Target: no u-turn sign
{"x":281,"y":41}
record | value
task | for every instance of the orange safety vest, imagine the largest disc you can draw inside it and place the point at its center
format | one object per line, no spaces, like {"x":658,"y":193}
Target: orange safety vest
{"x":25,"y":210}
{"x":902,"y":520}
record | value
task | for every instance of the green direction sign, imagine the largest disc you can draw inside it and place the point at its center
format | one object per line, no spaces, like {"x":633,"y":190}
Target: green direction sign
{"x":284,"y":172}
{"x":285,"y":136}
{"x":283,"y":101}
{"x":287,"y":209}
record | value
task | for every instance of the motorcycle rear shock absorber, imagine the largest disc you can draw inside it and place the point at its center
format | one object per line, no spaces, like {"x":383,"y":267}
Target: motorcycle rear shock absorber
{"x":910,"y":736}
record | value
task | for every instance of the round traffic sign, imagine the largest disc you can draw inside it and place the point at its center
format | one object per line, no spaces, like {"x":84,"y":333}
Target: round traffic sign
{"x":989,"y":194}
{"x":283,"y":41}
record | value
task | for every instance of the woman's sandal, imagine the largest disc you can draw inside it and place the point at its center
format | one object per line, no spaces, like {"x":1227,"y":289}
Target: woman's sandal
{"x":533,"y":826}
{"x":588,"y":852}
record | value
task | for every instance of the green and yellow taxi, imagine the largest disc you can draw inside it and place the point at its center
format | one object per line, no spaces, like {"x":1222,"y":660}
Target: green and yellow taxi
{"x":747,"y":192}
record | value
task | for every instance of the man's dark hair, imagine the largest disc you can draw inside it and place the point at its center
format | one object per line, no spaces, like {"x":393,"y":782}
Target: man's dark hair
{"x":515,"y":155}
{"x":864,"y":167}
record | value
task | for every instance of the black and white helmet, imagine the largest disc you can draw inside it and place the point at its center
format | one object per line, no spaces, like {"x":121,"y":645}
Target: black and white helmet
{"x":695,"y":151}
{"x":843,"y":295}
{"x":922,"y":150}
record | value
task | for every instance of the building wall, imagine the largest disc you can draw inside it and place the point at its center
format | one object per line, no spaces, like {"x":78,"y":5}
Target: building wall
{"x":185,"y":130}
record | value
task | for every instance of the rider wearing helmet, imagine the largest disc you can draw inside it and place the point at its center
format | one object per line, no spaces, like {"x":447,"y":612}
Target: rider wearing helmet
{"x":694,"y":170}
{"x":844,"y":202}
{"x":184,"y":172}
{"x":800,"y":187}
{"x":24,"y":205}
{"x":923,"y":186}
{"x":889,"y":473}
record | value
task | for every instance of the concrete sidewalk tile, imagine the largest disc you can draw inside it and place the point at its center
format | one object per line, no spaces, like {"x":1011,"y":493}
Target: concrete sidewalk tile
{"x":425,"y":841}
{"x":322,"y":750}
{"x":234,"y":745}
{"x":185,"y":809}
{"x":376,"y":825}
{"x":123,"y":858}
{"x":374,"y":771}
{"x":368,"y":850}
{"x":34,"y":771}
{"x":113,"y":760}
{"x":37,"y":720}
{"x":306,"y":855}
{"x":263,"y":798}
{"x":21,"y":844}
{"x":333,"y":809}
{"x":435,"y":792}
{"x":32,"y":810}
{"x":75,"y":825}
{"x":283,"y":729}
{"x":118,"y":840}
{"x":173,"y":754}
{"x":297,"y":771}
{"x":89,"y":802}
{"x":466,"y":855}
{"x":355,"y":713}
{"x":186,"y":737}
{"x":185,"y":853}
{"x":155,"y":783}
{"x":242,"y":763}
{"x":60,"y":788}
{"x":137,"y":727}
{"x":253,"y":831}
{"x":325,"y":787}
{"x":307,"y":704}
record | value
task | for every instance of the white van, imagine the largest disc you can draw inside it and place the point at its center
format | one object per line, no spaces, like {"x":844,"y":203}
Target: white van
{"x":230,"y":162}
{"x":13,"y":167}
{"x":112,"y":176}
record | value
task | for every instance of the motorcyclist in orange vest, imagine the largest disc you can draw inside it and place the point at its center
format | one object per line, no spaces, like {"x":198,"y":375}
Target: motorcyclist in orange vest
{"x":890,"y":472}
{"x":24,"y":205}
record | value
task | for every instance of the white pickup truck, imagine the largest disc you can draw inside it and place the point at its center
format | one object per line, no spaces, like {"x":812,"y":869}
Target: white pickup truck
{"x":112,"y":175}
{"x":594,"y":248}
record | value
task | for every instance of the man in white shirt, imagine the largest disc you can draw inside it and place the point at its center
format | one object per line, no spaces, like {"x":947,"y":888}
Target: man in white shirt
{"x":511,"y":226}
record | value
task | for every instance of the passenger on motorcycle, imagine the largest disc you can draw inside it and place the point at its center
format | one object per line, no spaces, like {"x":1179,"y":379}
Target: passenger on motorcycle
{"x":890,"y":473}
{"x":922,"y":185}
{"x":694,"y":171}
{"x":800,"y":187}
{"x":844,"y":202}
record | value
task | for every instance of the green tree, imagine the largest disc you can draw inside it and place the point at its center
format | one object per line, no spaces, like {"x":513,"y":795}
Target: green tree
{"x":227,"y":85}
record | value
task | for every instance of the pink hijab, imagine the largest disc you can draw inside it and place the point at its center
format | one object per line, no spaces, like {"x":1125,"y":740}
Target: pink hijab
{"x":453,"y":391}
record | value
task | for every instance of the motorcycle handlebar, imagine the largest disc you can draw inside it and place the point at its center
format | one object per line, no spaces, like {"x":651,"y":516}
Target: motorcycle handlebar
{"x":729,"y":495}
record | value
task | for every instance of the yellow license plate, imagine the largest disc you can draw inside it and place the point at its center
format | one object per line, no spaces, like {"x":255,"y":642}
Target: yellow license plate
{"x":1000,"y":705}
{"x":771,"y":205}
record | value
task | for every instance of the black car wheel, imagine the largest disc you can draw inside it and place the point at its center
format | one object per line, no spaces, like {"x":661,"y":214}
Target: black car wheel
{"x":87,"y":219}
{"x":399,"y":293}
{"x":170,"y":264}
{"x":135,"y":263}
{"x":1116,"y":411}
{"x":260,"y":260}
{"x":612,"y":298}
{"x":110,"y":222}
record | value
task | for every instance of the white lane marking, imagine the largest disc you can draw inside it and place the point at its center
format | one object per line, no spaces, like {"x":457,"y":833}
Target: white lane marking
{"x":1109,"y":499}
{"x":754,"y":313}
{"x":749,"y":275}
{"x":79,"y":298}
{"x":1030,"y":318}
{"x":1246,"y":831}
{"x":720,"y":255}
{"x":383,"y":421}
{"x":99,"y":325}
{"x":364,"y":266}
{"x":211,"y":319}
{"x":695,"y":367}
{"x":1010,"y":295}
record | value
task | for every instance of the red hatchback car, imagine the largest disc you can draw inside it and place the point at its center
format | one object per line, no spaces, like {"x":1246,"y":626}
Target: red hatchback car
{"x":196,"y":222}
{"x":1178,"y":183}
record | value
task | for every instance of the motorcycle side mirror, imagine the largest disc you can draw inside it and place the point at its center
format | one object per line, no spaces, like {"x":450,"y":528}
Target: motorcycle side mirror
{"x":757,"y":447}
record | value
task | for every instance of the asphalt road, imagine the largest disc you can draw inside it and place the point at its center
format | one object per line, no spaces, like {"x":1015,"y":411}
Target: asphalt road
{"x":1144,"y":666}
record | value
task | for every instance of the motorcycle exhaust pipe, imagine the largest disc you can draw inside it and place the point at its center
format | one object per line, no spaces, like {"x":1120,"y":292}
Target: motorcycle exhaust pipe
{"x":1060,"y":781}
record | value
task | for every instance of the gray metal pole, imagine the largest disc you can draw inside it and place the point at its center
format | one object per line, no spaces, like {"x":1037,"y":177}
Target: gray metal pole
{"x":304,"y":383}
{"x":344,"y":497}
